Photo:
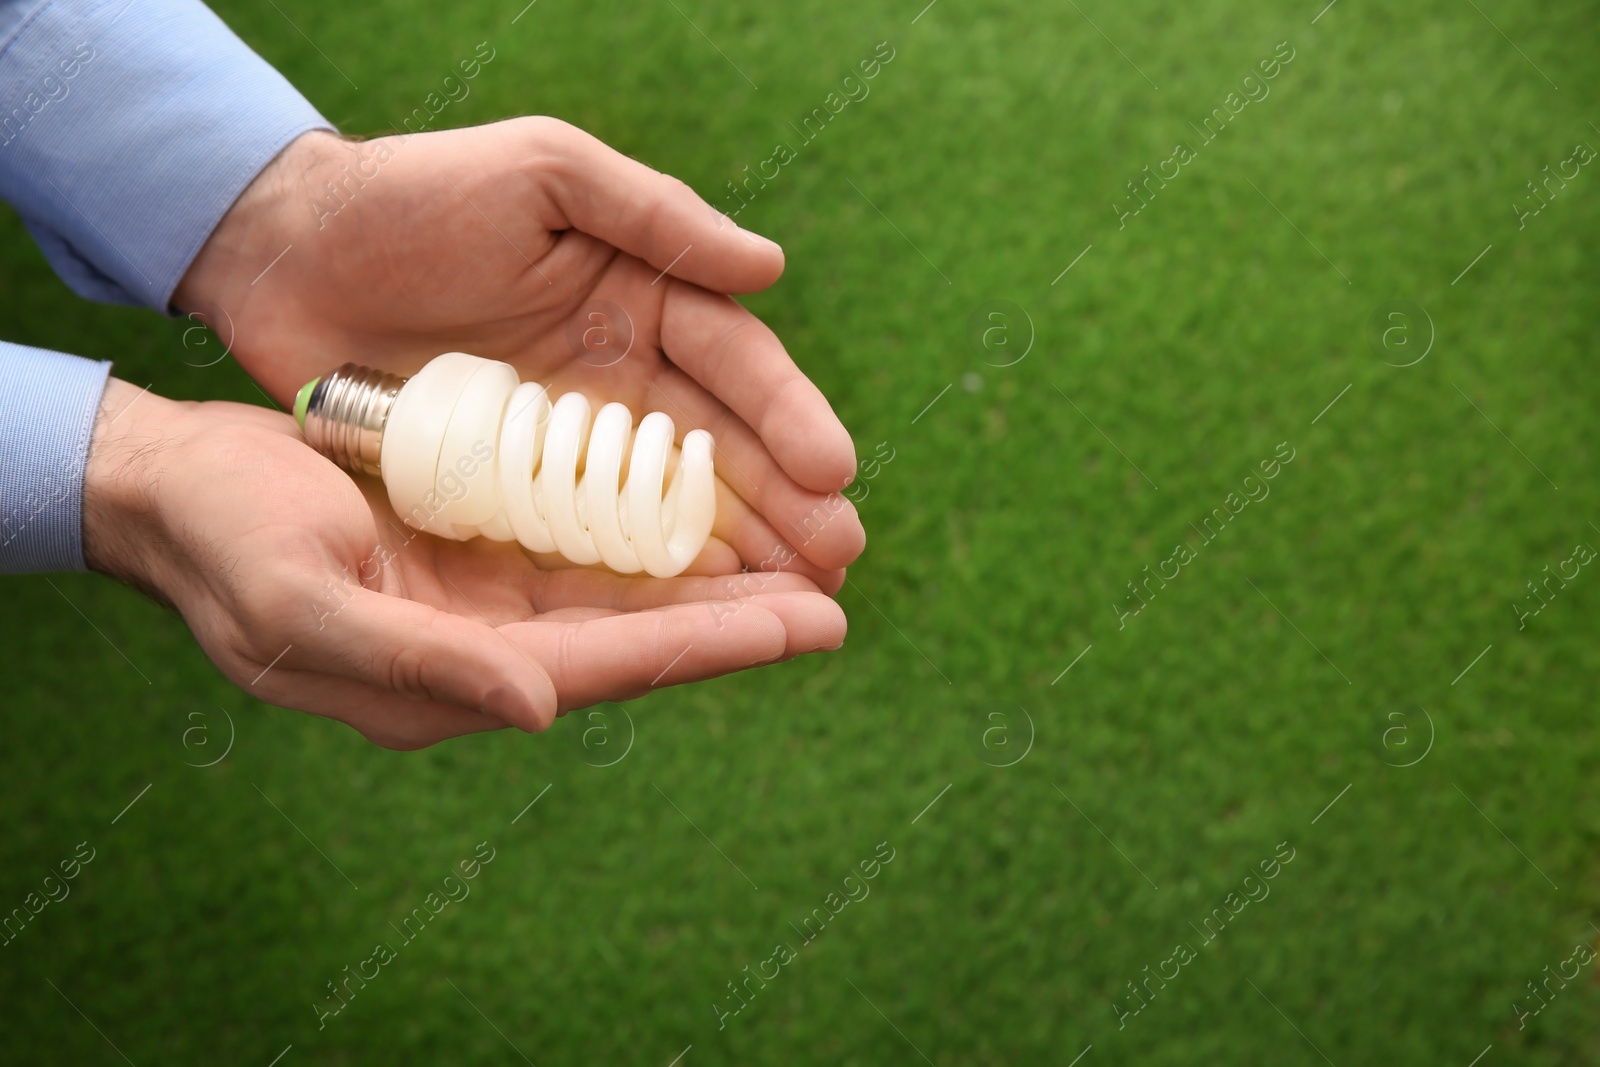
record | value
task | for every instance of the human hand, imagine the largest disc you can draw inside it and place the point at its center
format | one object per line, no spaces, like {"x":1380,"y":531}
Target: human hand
{"x":306,"y":591}
{"x":500,"y":240}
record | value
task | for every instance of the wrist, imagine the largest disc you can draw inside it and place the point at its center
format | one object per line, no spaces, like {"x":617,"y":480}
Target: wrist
{"x":256,"y":229}
{"x":123,"y":525}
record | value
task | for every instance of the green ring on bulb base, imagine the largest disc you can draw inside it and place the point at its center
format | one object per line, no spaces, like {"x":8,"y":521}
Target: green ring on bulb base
{"x":302,"y":400}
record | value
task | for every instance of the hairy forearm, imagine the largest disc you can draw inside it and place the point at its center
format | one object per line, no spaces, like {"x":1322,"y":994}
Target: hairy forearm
{"x":123,"y":529}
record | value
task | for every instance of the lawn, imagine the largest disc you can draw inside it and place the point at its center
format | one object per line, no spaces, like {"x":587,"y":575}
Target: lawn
{"x":1186,"y":691}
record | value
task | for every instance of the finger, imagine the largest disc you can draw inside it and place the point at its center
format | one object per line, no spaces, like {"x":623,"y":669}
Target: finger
{"x":624,"y":656}
{"x":810,"y":623}
{"x":591,"y":589}
{"x":416,"y":651}
{"x":761,"y":547}
{"x":824,"y":527}
{"x":741,"y":362}
{"x":659,"y":219}
{"x":757,"y":545}
{"x":717,"y":557}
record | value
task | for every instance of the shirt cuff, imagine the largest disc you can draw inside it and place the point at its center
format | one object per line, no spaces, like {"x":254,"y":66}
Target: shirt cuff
{"x":127,"y":130}
{"x":48,"y":404}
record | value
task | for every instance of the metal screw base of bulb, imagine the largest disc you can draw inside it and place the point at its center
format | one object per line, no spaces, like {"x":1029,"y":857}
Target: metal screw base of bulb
{"x":345,"y":415}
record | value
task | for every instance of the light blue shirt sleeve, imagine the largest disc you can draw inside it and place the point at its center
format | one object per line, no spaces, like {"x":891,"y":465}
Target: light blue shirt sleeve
{"x":48,"y":403}
{"x":127,"y":130}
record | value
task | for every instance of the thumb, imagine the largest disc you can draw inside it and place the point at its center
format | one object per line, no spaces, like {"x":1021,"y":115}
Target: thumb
{"x":647,"y":214}
{"x":417,"y":651}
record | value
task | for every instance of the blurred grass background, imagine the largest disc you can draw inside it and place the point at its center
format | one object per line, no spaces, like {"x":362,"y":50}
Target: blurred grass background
{"x":1196,"y":738}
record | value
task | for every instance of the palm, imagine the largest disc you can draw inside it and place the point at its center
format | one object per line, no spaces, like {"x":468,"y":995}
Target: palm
{"x":455,"y":244}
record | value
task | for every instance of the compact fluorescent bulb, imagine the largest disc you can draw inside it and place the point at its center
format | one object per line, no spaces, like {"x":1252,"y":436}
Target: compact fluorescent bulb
{"x":467,"y":450}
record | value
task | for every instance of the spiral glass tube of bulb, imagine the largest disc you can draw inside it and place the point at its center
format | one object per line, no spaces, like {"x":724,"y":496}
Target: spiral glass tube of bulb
{"x":467,"y":450}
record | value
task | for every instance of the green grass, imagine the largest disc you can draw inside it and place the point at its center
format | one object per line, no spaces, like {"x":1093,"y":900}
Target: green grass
{"x":1209,"y":729}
